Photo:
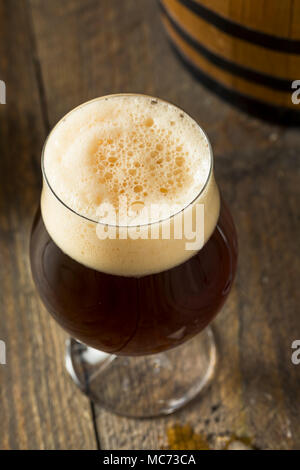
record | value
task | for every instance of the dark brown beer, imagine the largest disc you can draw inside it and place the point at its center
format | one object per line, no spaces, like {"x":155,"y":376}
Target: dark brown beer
{"x":135,"y":316}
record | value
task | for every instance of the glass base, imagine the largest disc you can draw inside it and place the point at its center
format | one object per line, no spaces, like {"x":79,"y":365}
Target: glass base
{"x":144,"y":386}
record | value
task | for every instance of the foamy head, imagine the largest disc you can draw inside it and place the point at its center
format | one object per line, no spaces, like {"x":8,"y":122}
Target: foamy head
{"x":130,"y":149}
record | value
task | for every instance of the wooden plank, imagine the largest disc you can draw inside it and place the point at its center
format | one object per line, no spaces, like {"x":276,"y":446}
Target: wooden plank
{"x":40,"y":408}
{"x":88,"y":34}
{"x":112,"y":46}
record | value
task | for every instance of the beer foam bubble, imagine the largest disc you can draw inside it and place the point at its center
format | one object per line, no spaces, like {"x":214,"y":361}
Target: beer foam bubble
{"x":132,"y":146}
{"x":140,"y":147}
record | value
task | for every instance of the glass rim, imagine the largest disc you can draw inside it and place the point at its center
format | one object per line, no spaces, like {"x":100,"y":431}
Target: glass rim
{"x":147,"y":224}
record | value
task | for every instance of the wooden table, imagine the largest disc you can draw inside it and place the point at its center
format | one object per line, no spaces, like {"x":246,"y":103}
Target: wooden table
{"x":53,"y":56}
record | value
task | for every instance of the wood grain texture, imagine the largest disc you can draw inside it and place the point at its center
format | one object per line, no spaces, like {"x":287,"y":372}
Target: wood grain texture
{"x":233,"y":82}
{"x":91,"y":48}
{"x":40,"y":408}
{"x":243,"y":53}
{"x":252,"y":14}
{"x":244,"y":66}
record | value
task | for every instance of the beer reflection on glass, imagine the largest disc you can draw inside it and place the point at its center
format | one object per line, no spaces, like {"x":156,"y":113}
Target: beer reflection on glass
{"x":113,"y":260}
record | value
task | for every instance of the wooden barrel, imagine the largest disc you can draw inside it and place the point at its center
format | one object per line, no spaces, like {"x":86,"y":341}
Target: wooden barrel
{"x":248,"y":51}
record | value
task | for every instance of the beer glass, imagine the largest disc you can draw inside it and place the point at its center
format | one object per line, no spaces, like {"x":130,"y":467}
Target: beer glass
{"x":137,"y":305}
